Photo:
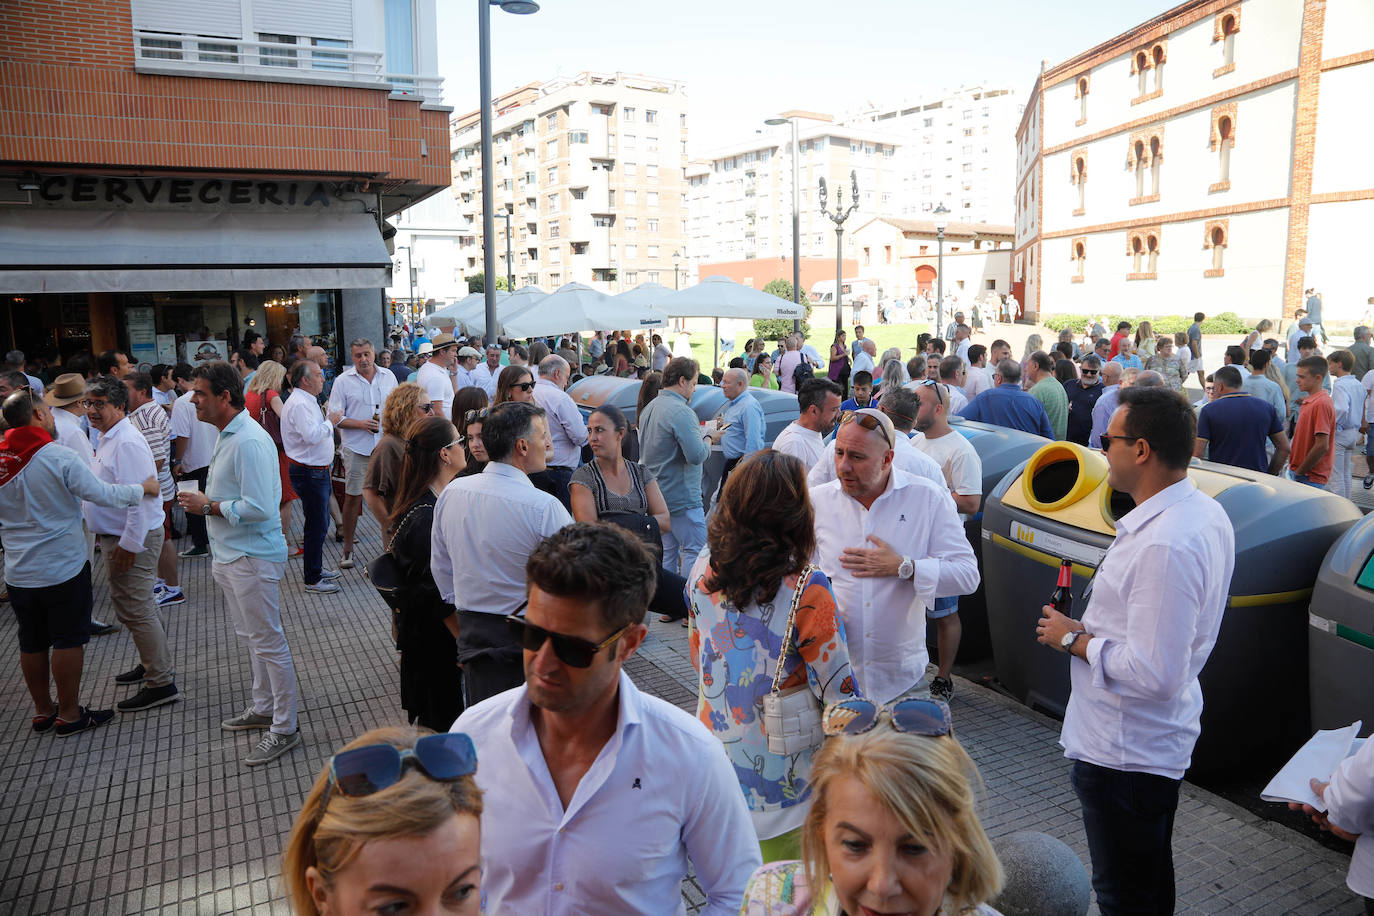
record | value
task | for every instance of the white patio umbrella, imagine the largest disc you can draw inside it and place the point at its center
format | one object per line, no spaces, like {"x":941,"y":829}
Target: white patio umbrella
{"x":475,"y":315}
{"x":465,"y":306}
{"x":720,"y":297}
{"x":577,"y":307}
{"x":645,"y":294}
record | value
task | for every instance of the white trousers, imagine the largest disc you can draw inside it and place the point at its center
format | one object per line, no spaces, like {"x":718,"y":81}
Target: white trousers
{"x":250,"y":590}
{"x":1341,"y":462}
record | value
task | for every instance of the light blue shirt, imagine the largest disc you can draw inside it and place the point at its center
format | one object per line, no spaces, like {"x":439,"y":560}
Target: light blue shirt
{"x":245,"y":479}
{"x":672,"y":450}
{"x":40,"y":516}
{"x":1268,"y":390}
{"x":1102,"y":414}
{"x":745,"y":433}
{"x":1129,"y":362}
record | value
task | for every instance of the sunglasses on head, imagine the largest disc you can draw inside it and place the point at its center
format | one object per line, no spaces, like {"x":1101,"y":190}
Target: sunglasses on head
{"x":365,"y":771}
{"x":472,"y":416}
{"x":915,"y":717}
{"x":868,"y":421}
{"x":933,"y":383}
{"x":426,"y":407}
{"x":571,"y":650}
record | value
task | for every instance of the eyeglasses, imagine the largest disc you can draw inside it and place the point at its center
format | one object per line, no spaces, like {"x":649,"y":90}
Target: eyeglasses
{"x":1107,"y":441}
{"x":365,"y":771}
{"x":571,"y":650}
{"x":472,"y":416}
{"x":95,"y":405}
{"x":523,"y":386}
{"x":914,"y":717}
{"x":868,"y":421}
{"x":426,"y":407}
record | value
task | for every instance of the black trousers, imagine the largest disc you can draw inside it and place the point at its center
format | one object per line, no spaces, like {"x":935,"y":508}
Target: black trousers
{"x":1129,"y":819}
{"x":492,"y":661}
{"x":195,"y":522}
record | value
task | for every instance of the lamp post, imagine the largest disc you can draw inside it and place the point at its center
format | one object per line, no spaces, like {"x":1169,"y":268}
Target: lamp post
{"x":796,"y":216}
{"x":410,"y":275}
{"x":838,"y":217}
{"x":677,"y":259}
{"x":510,"y":268}
{"x":941,"y":221}
{"x":519,"y":7}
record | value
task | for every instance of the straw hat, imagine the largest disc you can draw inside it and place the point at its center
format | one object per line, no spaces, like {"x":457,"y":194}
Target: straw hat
{"x":67,"y":389}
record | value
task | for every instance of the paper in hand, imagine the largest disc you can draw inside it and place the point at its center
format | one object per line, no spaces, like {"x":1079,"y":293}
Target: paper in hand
{"x":1317,"y":759}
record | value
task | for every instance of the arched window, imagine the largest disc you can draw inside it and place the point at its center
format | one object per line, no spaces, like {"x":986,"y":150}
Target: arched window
{"x":1157,"y":56}
{"x":1080,"y":257}
{"x":1082,"y":99}
{"x":1215,"y":235}
{"x":1156,"y":148}
{"x":1224,"y":142}
{"x":1152,"y":249}
{"x":1140,"y":168}
{"x":1230,"y":27}
{"x":1137,"y":253}
{"x":1218,"y":246}
{"x":1081,"y":168}
{"x":1142,"y":61}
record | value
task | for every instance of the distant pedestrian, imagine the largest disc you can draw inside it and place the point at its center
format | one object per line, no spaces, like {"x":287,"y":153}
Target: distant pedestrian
{"x":151,"y":420}
{"x":193,"y":442}
{"x":567,"y":429}
{"x":358,"y":394}
{"x":1347,"y":400}
{"x":308,"y":439}
{"x":1007,"y":405}
{"x":1314,"y":435}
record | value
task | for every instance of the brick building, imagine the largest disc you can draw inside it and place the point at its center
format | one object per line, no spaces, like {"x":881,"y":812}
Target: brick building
{"x":172,"y":174}
{"x":1209,"y":159}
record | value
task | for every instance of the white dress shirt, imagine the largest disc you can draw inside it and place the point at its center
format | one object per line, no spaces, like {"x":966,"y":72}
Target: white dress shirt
{"x":978,"y":380}
{"x":885,"y":618}
{"x":566,"y":426}
{"x":437,"y":384}
{"x":660,"y":792}
{"x":957,"y":400}
{"x":1350,"y":806}
{"x":124,"y":457}
{"x":360,"y":399}
{"x":484,"y":377}
{"x":905,"y":457}
{"x":70,"y":434}
{"x":863,"y":363}
{"x":485,"y":528}
{"x":306,"y":434}
{"x":1156,"y":606}
{"x":200,"y":436}
{"x":800,"y":442}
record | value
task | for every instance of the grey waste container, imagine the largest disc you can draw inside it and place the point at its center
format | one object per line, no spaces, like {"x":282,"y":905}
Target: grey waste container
{"x":1255,"y":683}
{"x":1340,"y":640}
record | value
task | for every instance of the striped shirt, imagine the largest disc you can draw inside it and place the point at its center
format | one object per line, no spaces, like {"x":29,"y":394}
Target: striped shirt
{"x":151,"y":420}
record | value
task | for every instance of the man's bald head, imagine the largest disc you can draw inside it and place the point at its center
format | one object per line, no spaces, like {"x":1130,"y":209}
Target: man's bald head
{"x":1149,"y":379}
{"x":1111,"y":373}
{"x":317,"y":356}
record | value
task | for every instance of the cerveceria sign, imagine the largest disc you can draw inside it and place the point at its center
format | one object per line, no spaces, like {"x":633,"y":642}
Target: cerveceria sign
{"x":62,"y":190}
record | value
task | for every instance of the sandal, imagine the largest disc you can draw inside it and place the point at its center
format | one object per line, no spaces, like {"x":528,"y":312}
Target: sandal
{"x":44,"y":723}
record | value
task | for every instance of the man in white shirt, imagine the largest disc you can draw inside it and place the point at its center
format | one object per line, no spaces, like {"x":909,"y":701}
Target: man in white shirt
{"x":152,"y":422}
{"x":962,"y":342}
{"x":900,"y":407}
{"x":485,"y":375}
{"x":978,"y":379}
{"x":436,"y":376}
{"x":1347,"y":399}
{"x":307,"y":437}
{"x":130,"y":540}
{"x":358,"y":394}
{"x":804,"y":437}
{"x":864,"y":361}
{"x":1152,"y":616}
{"x":962,"y":471}
{"x":480,"y":568}
{"x":918,"y":552}
{"x":605,"y":794}
{"x":953,"y":377}
{"x":193,"y":442}
{"x":468,"y":358}
{"x":566,"y":426}
{"x":661,"y":353}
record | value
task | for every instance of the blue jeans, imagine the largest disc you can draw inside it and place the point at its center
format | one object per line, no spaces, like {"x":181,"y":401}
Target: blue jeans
{"x":1129,"y":820}
{"x":561,"y":476}
{"x":1303,"y":478}
{"x":682,"y":544}
{"x":312,"y":485}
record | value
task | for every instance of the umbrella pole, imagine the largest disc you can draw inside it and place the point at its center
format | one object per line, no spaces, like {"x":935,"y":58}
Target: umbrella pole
{"x":715,"y":344}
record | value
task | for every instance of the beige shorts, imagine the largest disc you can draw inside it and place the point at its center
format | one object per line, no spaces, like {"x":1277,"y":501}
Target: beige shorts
{"x":355,"y":472}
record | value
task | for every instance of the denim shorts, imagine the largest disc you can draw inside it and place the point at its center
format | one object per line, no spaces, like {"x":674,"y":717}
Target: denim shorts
{"x":943,"y":608}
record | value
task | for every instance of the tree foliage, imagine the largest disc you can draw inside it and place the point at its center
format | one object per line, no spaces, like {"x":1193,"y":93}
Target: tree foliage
{"x":477,"y":283}
{"x":770,"y":329}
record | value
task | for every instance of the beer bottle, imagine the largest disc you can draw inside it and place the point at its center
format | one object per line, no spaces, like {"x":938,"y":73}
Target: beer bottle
{"x":1062,"y":598}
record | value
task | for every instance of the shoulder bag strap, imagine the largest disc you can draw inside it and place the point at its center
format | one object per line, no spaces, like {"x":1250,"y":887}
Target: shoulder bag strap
{"x":789,"y":635}
{"x":397,"y":533}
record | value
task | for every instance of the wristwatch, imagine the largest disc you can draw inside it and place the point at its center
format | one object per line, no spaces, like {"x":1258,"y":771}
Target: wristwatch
{"x":907,"y":569}
{"x":1069,"y":638}
{"x":205,"y":509}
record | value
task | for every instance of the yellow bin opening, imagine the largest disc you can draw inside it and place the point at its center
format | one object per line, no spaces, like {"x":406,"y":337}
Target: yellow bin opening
{"x":1061,"y":474}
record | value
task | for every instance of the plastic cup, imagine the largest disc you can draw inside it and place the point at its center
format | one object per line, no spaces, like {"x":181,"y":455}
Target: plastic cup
{"x":188,"y":486}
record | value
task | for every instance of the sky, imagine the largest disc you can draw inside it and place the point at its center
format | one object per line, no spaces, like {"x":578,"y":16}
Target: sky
{"x":746,"y":60}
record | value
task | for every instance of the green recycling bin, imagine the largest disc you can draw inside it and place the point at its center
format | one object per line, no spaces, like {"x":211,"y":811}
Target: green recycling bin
{"x":1340,"y":638}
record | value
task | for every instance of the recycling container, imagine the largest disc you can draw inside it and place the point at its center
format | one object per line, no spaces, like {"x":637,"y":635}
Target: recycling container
{"x":1340,"y":638}
{"x":1255,"y":683}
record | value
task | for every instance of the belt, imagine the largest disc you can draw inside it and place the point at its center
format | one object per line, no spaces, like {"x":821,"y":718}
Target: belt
{"x":312,"y":467}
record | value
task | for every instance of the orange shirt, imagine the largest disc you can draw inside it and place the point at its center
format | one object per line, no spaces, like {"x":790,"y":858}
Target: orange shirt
{"x":1317,"y":416}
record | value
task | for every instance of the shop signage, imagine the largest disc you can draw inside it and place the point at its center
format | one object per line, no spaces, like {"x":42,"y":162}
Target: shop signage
{"x":158,"y":193}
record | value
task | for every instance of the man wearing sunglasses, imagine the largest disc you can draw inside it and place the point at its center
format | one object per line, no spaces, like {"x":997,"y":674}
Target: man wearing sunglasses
{"x":900,"y":407}
{"x":1152,"y":618}
{"x":485,"y":528}
{"x":602,"y":794}
{"x":1082,"y":394}
{"x":891,"y":544}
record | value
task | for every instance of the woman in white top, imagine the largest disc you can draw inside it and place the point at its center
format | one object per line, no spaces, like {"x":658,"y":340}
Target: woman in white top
{"x":1255,"y":339}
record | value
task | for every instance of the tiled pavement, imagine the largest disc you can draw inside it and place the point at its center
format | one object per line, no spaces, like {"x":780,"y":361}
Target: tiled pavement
{"x":156,"y":813}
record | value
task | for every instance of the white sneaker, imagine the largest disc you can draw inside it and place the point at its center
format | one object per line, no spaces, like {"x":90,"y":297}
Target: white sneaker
{"x":328,"y":573}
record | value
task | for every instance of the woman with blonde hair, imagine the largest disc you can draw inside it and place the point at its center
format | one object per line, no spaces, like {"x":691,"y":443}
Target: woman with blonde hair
{"x":403,"y":407}
{"x":1145,"y":340}
{"x":892,"y":825}
{"x":1255,"y":339}
{"x":263,"y":401}
{"x":371,"y":835}
{"x":1033,"y":345}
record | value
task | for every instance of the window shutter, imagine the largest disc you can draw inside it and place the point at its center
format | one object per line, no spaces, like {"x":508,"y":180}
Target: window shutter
{"x":306,"y":18}
{"x":218,"y":18}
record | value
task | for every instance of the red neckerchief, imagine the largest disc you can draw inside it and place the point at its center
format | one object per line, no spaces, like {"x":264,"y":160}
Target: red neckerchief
{"x":18,"y":449}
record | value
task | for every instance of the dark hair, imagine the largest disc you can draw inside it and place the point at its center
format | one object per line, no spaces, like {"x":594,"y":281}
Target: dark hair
{"x":15,"y":378}
{"x":813,"y":391}
{"x":1199,"y":317}
{"x":749,"y":557}
{"x":862,"y":377}
{"x":1165,"y":420}
{"x":900,"y":405}
{"x":142,"y":381}
{"x":1066,"y":349}
{"x":938,"y":345}
{"x":1102,"y":342}
{"x":999,"y":342}
{"x":505,"y":425}
{"x":976,"y":352}
{"x":922,"y":339}
{"x":950,"y":366}
{"x":222,"y":378}
{"x":508,"y":379}
{"x":1307,"y":342}
{"x":1314,"y":364}
{"x":1259,"y":359}
{"x":107,"y":362}
{"x":159,"y":372}
{"x":648,"y":390}
{"x":679,"y":368}
{"x":18,"y":409}
{"x":1228,"y":376}
{"x":615,"y":415}
{"x":736,"y":363}
{"x":1065,"y":371}
{"x":1091,"y":361}
{"x":520,"y":352}
{"x":250,"y":337}
{"x":81,"y":364}
{"x":579,"y":560}
{"x":109,"y":388}
{"x":1344,"y":358}
{"x":182,"y":372}
{"x":425,"y":437}
{"x":1236,"y":354}
{"x":539,"y":351}
{"x":248,"y":357}
{"x":1123,"y":325}
{"x":1042,"y":361}
{"x":469,"y":397}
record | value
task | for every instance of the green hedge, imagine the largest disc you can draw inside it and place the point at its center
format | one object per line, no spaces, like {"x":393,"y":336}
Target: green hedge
{"x":1225,"y":323}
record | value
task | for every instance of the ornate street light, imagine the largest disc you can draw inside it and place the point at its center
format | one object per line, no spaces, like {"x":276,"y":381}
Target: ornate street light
{"x":838,"y":217}
{"x":941,"y":221}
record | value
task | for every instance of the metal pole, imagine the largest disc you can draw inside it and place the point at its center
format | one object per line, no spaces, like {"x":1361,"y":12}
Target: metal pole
{"x":410,"y":275}
{"x":796,"y":229}
{"x":510,"y":266}
{"x":839,"y":277}
{"x":940,"y":284}
{"x":488,"y":179}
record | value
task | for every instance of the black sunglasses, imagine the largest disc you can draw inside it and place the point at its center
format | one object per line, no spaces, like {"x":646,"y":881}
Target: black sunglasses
{"x":426,"y":407}
{"x":365,"y":771}
{"x":933,"y":383}
{"x":1107,"y":441}
{"x":1091,"y":371}
{"x":472,"y":416}
{"x":915,"y":717}
{"x":523,"y":386}
{"x":571,"y":650}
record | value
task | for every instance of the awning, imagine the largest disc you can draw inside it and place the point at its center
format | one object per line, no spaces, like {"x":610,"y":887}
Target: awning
{"x":74,"y":251}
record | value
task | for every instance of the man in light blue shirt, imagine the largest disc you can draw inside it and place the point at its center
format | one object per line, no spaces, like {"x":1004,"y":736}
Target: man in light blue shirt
{"x":1126,"y":355}
{"x":1106,"y":403}
{"x":742,"y":421}
{"x":673,"y":449}
{"x":1007,"y":405}
{"x":1266,"y":389}
{"x":240,"y":502}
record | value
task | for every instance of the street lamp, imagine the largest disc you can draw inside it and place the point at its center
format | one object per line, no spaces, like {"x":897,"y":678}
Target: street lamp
{"x":677,"y":259}
{"x":838,"y":217}
{"x":510,"y":268}
{"x":941,"y":221}
{"x":521,"y":8}
{"x":796,"y":218}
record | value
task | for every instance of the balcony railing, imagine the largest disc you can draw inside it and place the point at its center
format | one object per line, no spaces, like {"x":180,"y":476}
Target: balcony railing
{"x":197,"y":55}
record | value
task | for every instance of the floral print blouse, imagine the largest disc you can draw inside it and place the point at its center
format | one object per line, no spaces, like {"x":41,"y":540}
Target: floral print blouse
{"x":735,"y":652}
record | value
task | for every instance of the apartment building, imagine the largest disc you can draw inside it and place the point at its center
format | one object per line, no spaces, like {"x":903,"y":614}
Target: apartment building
{"x":958,"y":148}
{"x":590,"y":170}
{"x":739,"y":198}
{"x":1211,"y":158}
{"x":173,"y":174}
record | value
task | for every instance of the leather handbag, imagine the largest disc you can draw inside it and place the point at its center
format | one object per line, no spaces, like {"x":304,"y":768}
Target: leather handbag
{"x":792,"y":717}
{"x":643,"y":526}
{"x":385,"y":573}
